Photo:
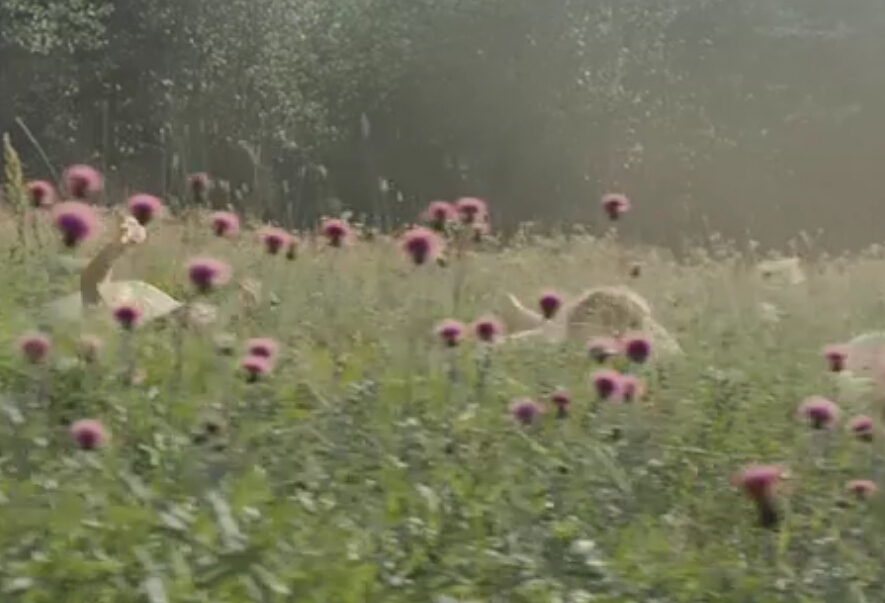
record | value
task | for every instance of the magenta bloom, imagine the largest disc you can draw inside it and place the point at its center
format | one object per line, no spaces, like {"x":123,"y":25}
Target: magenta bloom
{"x":561,"y":401}
{"x":820,"y":412}
{"x":206,"y":274}
{"x":606,"y":383}
{"x":601,"y":349}
{"x":336,"y":231}
{"x":439,"y":214}
{"x":264,"y":347}
{"x":41,"y":194}
{"x":862,"y":428}
{"x":525,"y":411}
{"x":225,"y":223}
{"x":450,"y":332}
{"x":75,"y":221}
{"x":471,"y":209}
{"x":127,"y":316}
{"x":421,"y":244}
{"x":637,"y":348}
{"x":34,"y":347}
{"x":255,"y":367}
{"x":198,"y":184}
{"x":862,"y":489}
{"x":82,"y":182}
{"x":274,"y":239}
{"x":144,"y":207}
{"x":487,"y":329}
{"x":758,"y":483}
{"x":632,"y":388}
{"x":89,"y":434}
{"x":550,"y":303}
{"x":836,"y":355}
{"x":615,"y":205}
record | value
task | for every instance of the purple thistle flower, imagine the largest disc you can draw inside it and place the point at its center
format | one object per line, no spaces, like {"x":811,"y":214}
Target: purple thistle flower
{"x":615,"y":205}
{"x":487,"y":329}
{"x":144,"y":207}
{"x":632,"y":388}
{"x":820,"y":412}
{"x":88,"y":434}
{"x":34,"y":347}
{"x":439,"y":214}
{"x":335,"y":231}
{"x":82,"y":182}
{"x":606,"y":383}
{"x":206,"y":274}
{"x":550,"y":302}
{"x":758,"y":482}
{"x":127,"y":316}
{"x":263,"y":347}
{"x":525,"y":411}
{"x":836,"y":355}
{"x":471,"y":209}
{"x":421,"y":244}
{"x":862,"y":428}
{"x":561,"y":400}
{"x":75,"y":221}
{"x":225,"y":223}
{"x":255,"y":367}
{"x":199,"y":184}
{"x":862,"y":489}
{"x":450,"y":332}
{"x":41,"y":194}
{"x":637,"y":348}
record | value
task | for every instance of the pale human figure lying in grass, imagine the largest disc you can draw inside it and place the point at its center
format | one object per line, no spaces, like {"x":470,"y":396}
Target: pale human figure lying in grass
{"x":862,"y":377}
{"x":600,"y":311}
{"x":97,"y":290}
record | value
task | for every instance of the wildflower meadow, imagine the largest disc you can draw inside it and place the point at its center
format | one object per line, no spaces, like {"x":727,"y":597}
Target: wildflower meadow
{"x":238,"y":412}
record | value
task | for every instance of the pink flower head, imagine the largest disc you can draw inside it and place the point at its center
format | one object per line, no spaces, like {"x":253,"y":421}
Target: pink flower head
{"x":606,"y":383}
{"x":199,"y":184}
{"x":34,"y":347}
{"x":292,"y":249}
{"x":632,"y":388}
{"x":550,"y":302}
{"x":274,"y":239}
{"x":820,"y":412}
{"x":264,"y":347}
{"x":206,"y":274}
{"x":439,"y":214}
{"x":615,"y":205}
{"x":471,"y":209}
{"x":862,"y":489}
{"x":487,"y":329}
{"x":637,"y":348}
{"x":127,"y":316}
{"x":88,"y":348}
{"x":758,"y":482}
{"x":862,"y":428}
{"x":336,"y":231}
{"x":561,"y":401}
{"x":421,"y":244}
{"x":601,"y":349}
{"x":525,"y":411}
{"x":41,"y":193}
{"x":255,"y":367}
{"x":450,"y":332}
{"x":225,"y":223}
{"x":82,"y":182}
{"x":75,"y":221}
{"x":144,"y":207}
{"x":836,"y":355}
{"x":89,"y":434}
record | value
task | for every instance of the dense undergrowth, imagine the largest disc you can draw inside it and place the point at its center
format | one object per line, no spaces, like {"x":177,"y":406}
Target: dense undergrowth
{"x":374,"y":463}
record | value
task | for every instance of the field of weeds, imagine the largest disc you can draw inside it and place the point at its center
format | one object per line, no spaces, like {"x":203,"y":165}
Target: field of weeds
{"x":357,"y":452}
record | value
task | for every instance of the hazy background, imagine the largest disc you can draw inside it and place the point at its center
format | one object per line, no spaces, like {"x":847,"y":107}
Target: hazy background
{"x":765,"y":116}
